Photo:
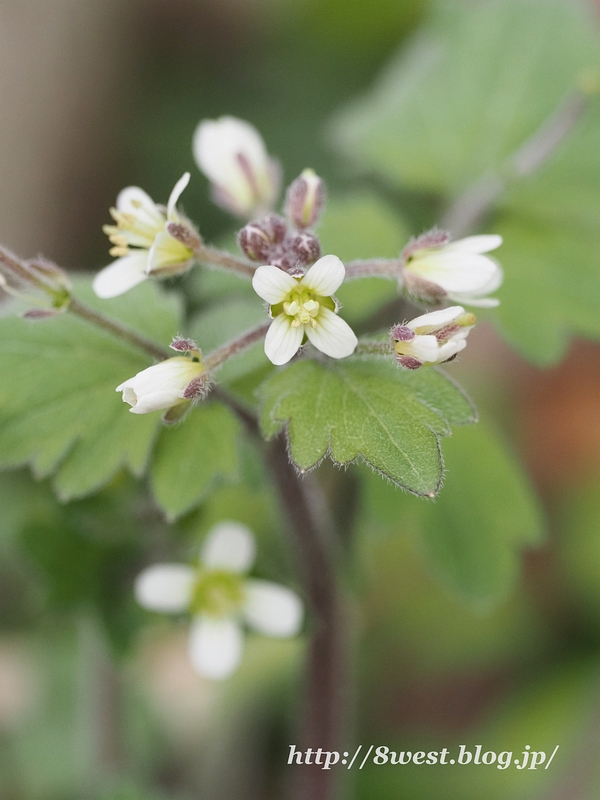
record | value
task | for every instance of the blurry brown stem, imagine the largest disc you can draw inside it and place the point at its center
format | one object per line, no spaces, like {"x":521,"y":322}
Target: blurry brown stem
{"x":470,"y":208}
{"x":375,"y":268}
{"x":326,"y":685}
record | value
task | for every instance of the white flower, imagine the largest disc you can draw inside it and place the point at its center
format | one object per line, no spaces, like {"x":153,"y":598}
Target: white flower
{"x":432,"y":338}
{"x":165,"y":385}
{"x":460,"y":268}
{"x":221,"y":599}
{"x":231,"y":153}
{"x":141,"y":224}
{"x":304,"y":306}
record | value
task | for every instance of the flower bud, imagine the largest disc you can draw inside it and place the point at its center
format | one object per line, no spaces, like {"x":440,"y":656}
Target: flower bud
{"x":257,"y":239}
{"x":436,"y":268}
{"x":170,"y":383}
{"x":36,"y":289}
{"x":304,"y":199}
{"x":306,"y":248}
{"x":433,"y":338}
{"x":231,"y":153}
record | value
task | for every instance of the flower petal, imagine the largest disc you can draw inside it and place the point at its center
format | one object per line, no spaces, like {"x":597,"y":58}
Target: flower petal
{"x":332,"y":336}
{"x":283,"y":340}
{"x":122,"y":275}
{"x":478,"y":302}
{"x":166,"y":251}
{"x":229,"y":545}
{"x":476,"y":244}
{"x":436,"y":319}
{"x":165,"y":587}
{"x":215,"y":646}
{"x":425,"y":348}
{"x":325,"y":276}
{"x":454,"y":270}
{"x":273,"y":284}
{"x":176,"y":194}
{"x":271,"y":609}
{"x":134,"y":200}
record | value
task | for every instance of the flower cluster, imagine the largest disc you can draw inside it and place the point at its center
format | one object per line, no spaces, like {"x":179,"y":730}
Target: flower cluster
{"x":220,"y":599}
{"x":287,"y":269}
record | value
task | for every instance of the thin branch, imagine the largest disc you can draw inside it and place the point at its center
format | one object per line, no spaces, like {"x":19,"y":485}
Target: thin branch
{"x":372,"y":347}
{"x":468,"y":210}
{"x":247,"y":339}
{"x":220,"y":258}
{"x":375,"y":267}
{"x":118,"y":329}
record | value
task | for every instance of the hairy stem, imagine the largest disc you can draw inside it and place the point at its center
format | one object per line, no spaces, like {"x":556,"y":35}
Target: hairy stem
{"x":468,"y":210}
{"x":118,"y":329}
{"x":247,"y":339}
{"x":375,"y":268}
{"x":220,"y":258}
{"x":372,"y":347}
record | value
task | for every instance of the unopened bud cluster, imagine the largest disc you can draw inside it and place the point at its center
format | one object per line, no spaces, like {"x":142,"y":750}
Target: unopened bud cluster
{"x":269,"y":241}
{"x":38,"y":288}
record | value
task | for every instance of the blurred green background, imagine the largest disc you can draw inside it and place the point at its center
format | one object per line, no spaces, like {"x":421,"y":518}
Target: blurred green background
{"x":473,"y":646}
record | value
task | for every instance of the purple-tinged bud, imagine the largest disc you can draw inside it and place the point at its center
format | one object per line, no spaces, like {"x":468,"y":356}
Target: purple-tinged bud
{"x":432,"y":238}
{"x":306,"y":247}
{"x":185,"y":233}
{"x":257,"y":239}
{"x":285,"y":261}
{"x":183,"y":345}
{"x":197,"y":388}
{"x":254,"y":242}
{"x":305,"y":199}
{"x":402,"y":333}
{"x":275,"y":227}
{"x":409,"y":362}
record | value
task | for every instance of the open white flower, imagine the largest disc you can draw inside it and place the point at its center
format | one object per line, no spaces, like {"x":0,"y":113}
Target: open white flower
{"x":221,"y":599}
{"x":432,"y":338}
{"x":142,"y":225}
{"x":459,"y":268}
{"x":304,"y":306}
{"x":231,"y":153}
{"x":166,"y":385}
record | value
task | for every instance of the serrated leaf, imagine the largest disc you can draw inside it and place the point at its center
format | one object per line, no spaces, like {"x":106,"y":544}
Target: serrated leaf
{"x":59,"y":411}
{"x":194,"y":455}
{"x":371,"y":410}
{"x":473,"y":532}
{"x":450,"y":110}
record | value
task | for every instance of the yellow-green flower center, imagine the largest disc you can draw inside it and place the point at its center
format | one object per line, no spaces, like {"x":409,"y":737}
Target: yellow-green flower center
{"x":303,"y":305}
{"x":217,"y":593}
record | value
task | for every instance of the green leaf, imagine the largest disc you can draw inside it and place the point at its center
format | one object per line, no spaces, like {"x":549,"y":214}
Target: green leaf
{"x":193,"y":456}
{"x":471,"y":535}
{"x":371,"y":410}
{"x":456,"y":105}
{"x":59,"y":411}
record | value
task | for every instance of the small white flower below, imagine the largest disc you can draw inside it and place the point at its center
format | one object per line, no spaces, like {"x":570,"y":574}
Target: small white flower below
{"x":166,"y":384}
{"x":432,"y":338}
{"x":304,"y":307}
{"x":141,"y":224}
{"x":460,"y":268}
{"x":221,"y":600}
